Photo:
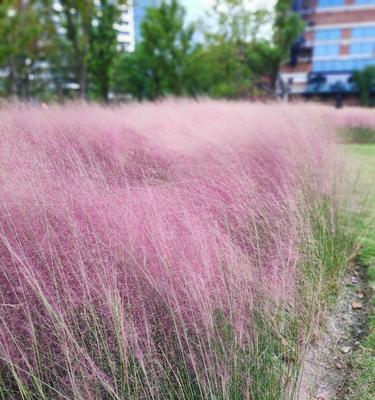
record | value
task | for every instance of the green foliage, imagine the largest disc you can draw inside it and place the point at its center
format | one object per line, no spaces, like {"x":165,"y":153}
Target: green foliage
{"x":91,"y":38}
{"x":128,"y":75}
{"x":47,"y":45}
{"x":102,"y":52}
{"x":267,"y":56}
{"x":362,"y":384}
{"x":159,"y":66}
{"x":335,"y":242}
{"x":221,"y":71}
{"x":50,"y":45}
{"x":365,"y":82}
{"x":77,"y":17}
{"x":360,"y":135}
{"x":241,"y":57}
{"x":25,"y":30}
{"x":225,"y":70}
{"x":288,"y":26}
{"x":229,"y":64}
{"x":234,"y":22}
{"x":260,"y":369}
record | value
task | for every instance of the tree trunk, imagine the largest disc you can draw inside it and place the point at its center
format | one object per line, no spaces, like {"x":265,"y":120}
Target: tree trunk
{"x":81,"y":77}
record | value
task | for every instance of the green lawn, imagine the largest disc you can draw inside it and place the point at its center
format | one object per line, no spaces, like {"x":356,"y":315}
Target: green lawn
{"x":363,"y":160}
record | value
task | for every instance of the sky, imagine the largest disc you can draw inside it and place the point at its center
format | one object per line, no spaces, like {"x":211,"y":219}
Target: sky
{"x":197,"y":7}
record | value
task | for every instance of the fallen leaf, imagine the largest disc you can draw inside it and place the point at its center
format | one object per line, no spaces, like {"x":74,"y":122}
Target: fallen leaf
{"x":360,"y":294}
{"x":357,"y":305}
{"x":354,"y":279}
{"x":346,"y":349}
{"x":338,"y":365}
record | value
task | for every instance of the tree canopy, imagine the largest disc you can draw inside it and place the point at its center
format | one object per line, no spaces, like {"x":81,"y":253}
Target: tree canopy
{"x":365,"y":82}
{"x":51,"y":49}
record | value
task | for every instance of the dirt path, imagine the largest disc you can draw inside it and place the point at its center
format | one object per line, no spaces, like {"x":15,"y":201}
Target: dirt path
{"x":327,"y":364}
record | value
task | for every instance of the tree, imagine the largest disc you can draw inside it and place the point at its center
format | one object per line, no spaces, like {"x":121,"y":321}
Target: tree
{"x":102,"y":52}
{"x":129,"y":75}
{"x":87,"y":42}
{"x":267,"y":56}
{"x":219,"y":70}
{"x":365,"y":82}
{"x":54,"y":46}
{"x":88,"y":26}
{"x":77,"y":19}
{"x":25,"y":31}
{"x":159,"y":66}
{"x":234,"y":26}
{"x":233,"y":21}
{"x":249,"y":46}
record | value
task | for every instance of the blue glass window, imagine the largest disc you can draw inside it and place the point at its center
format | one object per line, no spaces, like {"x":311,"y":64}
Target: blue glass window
{"x":326,"y":50}
{"x":359,"y":64}
{"x":331,"y":3}
{"x":342,"y":65}
{"x":363,"y":32}
{"x":362,"y":48}
{"x":364,"y":2}
{"x":323,"y":66}
{"x":328,"y":34}
{"x":318,"y":66}
{"x":349,"y":65}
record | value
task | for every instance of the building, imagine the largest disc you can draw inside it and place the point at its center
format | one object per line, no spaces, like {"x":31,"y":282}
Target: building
{"x":339,"y":39}
{"x":126,"y":36}
{"x":129,"y":26}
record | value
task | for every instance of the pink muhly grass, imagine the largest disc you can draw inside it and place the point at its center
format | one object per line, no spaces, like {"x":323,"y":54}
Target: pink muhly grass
{"x":127,"y":233}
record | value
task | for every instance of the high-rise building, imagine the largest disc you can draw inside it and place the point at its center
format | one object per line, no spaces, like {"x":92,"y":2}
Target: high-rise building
{"x":339,"y":39}
{"x":129,"y":26}
{"x":126,"y":36}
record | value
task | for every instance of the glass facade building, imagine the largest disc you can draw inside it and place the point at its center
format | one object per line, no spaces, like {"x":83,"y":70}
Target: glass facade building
{"x":339,"y":39}
{"x":129,"y":27}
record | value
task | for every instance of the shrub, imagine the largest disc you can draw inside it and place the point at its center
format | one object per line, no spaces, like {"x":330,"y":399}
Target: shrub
{"x":365,"y":82}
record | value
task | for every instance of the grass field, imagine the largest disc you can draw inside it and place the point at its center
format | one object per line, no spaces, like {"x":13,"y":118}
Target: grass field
{"x":171,"y":251}
{"x":363,"y":161}
{"x":363,"y":380}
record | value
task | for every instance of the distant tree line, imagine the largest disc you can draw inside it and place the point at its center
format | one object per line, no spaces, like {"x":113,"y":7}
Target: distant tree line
{"x":51,"y":49}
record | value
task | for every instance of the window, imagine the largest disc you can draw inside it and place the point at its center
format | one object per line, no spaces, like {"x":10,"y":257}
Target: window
{"x":363,"y":32}
{"x":322,"y":66}
{"x":331,"y":3}
{"x":362,"y":48}
{"x":338,"y":65}
{"x":326,"y":50}
{"x":351,"y":64}
{"x":342,"y":65}
{"x":359,"y":64}
{"x":328,"y":34}
{"x":364,"y":2}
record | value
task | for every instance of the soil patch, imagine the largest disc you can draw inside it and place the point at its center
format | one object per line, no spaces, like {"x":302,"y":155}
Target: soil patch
{"x":327,"y":363}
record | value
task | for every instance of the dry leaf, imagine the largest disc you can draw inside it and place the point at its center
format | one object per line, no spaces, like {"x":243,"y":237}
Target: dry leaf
{"x":357,"y":305}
